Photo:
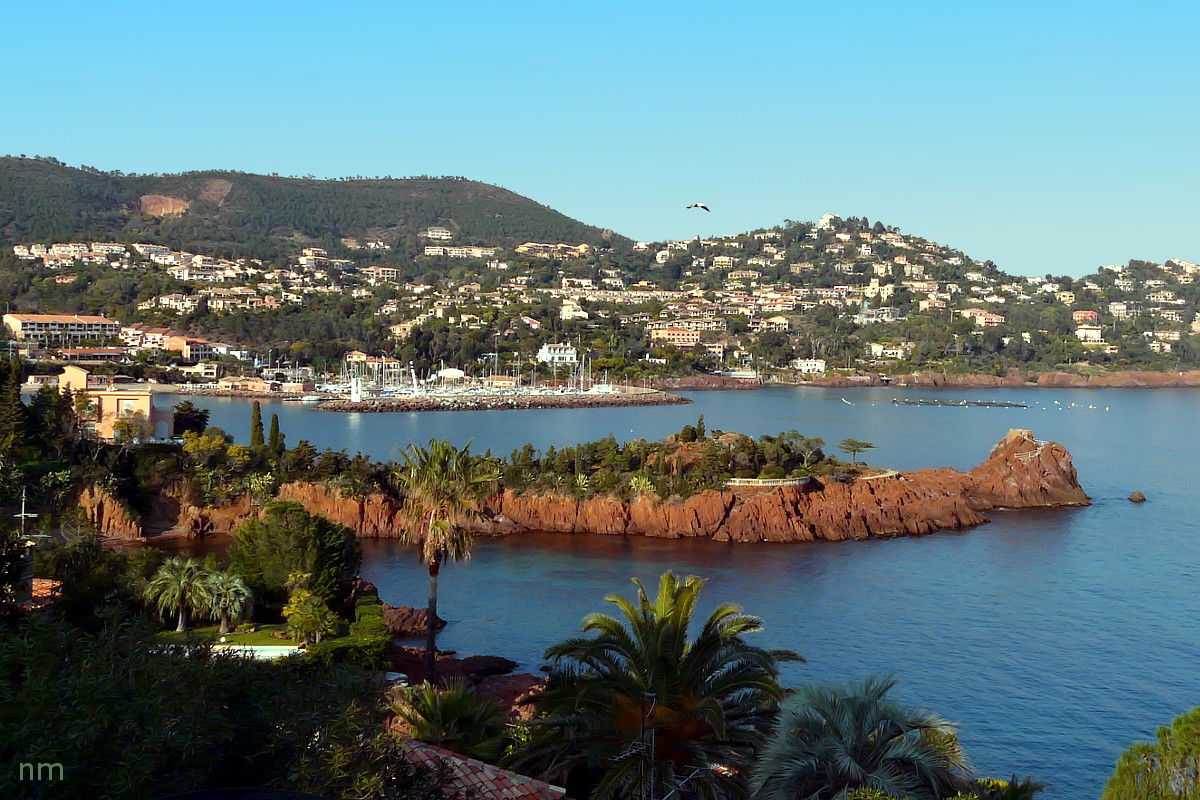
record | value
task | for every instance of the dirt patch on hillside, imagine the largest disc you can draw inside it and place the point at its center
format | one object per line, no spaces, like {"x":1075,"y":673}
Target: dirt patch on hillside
{"x":161,"y":205}
{"x":216,"y":190}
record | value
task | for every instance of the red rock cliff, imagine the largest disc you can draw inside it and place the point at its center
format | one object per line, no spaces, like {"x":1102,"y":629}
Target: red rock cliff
{"x":112,"y":518}
{"x":1021,"y":472}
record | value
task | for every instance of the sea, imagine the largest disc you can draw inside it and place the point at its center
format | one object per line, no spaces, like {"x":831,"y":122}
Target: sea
{"x":1052,"y":638}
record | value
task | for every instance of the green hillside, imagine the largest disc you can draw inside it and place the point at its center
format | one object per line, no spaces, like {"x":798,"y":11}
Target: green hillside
{"x":241,"y":214}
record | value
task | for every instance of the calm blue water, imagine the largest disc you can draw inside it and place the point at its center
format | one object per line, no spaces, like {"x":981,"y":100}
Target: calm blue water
{"x":1053,"y":638}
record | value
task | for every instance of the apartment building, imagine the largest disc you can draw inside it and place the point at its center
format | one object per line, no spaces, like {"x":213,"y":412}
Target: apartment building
{"x":559,"y":251}
{"x":57,"y":329}
{"x":679,"y":337}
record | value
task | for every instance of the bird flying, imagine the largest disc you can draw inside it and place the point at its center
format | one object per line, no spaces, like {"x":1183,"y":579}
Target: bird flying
{"x":700,"y":205}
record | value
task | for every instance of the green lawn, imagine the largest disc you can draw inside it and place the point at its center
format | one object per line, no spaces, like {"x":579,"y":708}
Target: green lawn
{"x":209,"y":632}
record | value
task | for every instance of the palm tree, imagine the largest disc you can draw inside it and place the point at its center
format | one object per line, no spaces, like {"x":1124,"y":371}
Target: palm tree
{"x":1015,"y":788}
{"x":641,"y":705}
{"x":453,"y":717}
{"x":229,"y":597}
{"x":833,"y":740}
{"x":441,"y":485}
{"x":180,"y":585}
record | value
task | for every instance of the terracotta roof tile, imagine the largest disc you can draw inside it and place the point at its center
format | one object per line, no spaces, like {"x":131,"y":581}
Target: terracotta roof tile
{"x":484,"y":781}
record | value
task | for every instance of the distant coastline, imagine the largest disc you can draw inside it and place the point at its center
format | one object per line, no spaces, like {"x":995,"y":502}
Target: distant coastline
{"x":666,"y":388}
{"x":928,"y":379}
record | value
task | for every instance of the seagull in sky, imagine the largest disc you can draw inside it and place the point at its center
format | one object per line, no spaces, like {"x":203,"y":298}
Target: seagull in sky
{"x":700,"y":205}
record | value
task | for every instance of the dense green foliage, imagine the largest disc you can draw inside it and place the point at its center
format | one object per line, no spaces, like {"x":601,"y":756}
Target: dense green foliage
{"x":128,"y":719}
{"x":287,"y":539}
{"x":367,"y":642}
{"x":690,"y":461}
{"x":264,"y":216}
{"x":1166,"y":769}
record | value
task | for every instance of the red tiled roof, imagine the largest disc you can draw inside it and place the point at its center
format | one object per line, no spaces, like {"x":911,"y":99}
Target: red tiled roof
{"x":481,"y":780}
{"x":44,"y":592}
{"x":63,"y":318}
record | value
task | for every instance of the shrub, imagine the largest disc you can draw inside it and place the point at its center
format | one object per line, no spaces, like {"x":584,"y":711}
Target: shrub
{"x":246,"y":721}
{"x":367,"y":643}
{"x":288,"y":539}
{"x":368,"y":652}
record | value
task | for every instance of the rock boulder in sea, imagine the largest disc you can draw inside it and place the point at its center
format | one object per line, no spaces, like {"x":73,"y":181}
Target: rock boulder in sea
{"x":408,"y":621}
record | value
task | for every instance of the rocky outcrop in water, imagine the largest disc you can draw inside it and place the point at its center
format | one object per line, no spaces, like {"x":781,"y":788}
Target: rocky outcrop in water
{"x":410,"y":662}
{"x":1020,"y":472}
{"x":406,"y":621}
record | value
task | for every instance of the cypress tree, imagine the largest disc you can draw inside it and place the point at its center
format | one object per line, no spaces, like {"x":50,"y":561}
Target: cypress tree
{"x":275,"y":444}
{"x":256,"y":426}
{"x":13,"y":418}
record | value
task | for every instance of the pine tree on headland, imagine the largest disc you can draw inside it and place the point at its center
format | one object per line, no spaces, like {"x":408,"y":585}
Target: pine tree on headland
{"x":275,"y":446}
{"x":256,"y":426}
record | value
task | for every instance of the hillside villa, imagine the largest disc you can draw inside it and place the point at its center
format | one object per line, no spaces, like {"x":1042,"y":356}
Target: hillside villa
{"x":113,"y":400}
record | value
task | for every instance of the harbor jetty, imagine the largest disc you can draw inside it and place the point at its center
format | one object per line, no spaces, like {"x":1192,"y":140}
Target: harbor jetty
{"x":495,"y":402}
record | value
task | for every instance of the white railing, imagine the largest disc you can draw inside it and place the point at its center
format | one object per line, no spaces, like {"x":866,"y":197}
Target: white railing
{"x":765,"y":481}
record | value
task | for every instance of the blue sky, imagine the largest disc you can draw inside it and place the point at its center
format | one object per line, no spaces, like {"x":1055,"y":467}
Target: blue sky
{"x":1050,"y":137}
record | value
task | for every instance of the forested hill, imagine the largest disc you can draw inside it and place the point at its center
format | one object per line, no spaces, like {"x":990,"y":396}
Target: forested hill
{"x":241,"y":214}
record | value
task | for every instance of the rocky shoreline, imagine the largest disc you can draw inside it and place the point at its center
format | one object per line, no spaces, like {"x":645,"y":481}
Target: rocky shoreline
{"x":1015,"y":379}
{"x":498,"y":402}
{"x":706,"y":383}
{"x":1020,"y":472}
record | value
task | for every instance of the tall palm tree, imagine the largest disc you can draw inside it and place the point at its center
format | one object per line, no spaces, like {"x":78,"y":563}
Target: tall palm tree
{"x":228,"y":596}
{"x":643,"y":706}
{"x":454,"y":717}
{"x":441,"y":484}
{"x":833,"y":740}
{"x":180,"y":585}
